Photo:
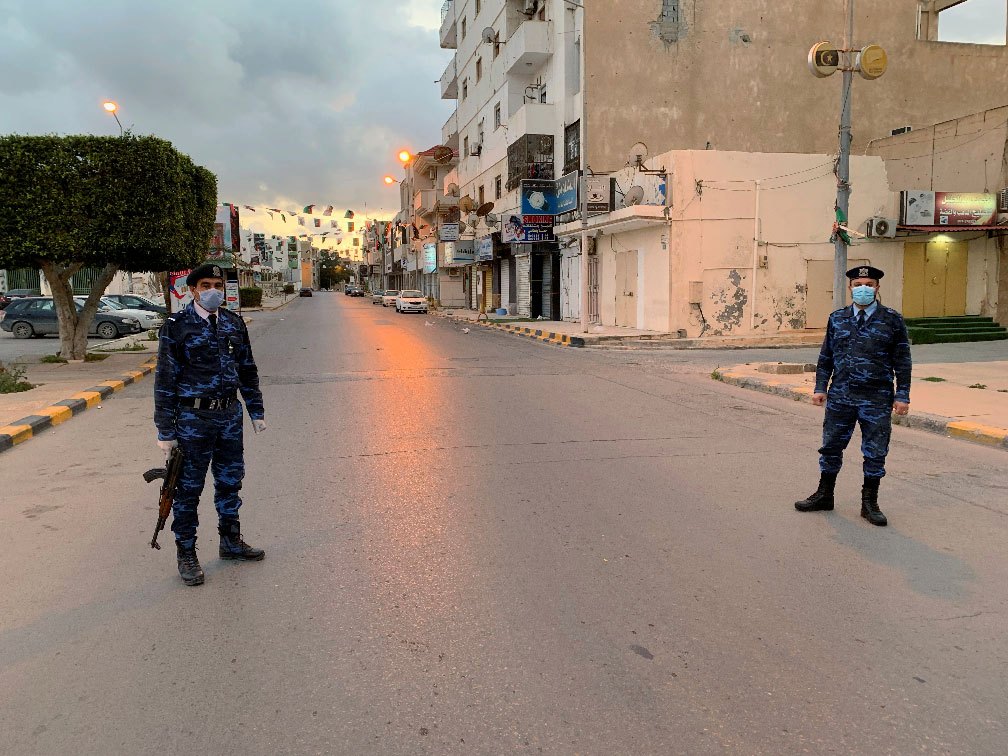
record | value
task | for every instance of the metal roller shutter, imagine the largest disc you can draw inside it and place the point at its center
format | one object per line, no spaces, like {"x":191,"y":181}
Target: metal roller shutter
{"x":524,"y":293}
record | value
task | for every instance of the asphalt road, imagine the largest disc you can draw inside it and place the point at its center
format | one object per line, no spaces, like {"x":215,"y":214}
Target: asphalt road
{"x":480,"y":544}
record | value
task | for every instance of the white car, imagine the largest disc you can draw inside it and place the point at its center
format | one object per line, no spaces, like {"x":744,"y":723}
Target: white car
{"x":389,"y":298}
{"x":148,"y":320}
{"x":411,"y":301}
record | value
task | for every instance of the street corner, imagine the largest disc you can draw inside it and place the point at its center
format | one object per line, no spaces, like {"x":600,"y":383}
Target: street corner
{"x":58,"y":412}
{"x":790,"y":381}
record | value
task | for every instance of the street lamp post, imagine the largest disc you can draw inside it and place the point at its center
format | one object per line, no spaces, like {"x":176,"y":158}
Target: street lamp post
{"x":112,"y":107}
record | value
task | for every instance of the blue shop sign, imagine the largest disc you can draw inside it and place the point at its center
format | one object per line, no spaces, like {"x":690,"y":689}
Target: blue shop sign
{"x":567,"y":193}
{"x":538,"y":197}
{"x":486,"y":248}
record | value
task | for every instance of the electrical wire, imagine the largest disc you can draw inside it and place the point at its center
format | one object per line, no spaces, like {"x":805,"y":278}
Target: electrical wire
{"x":978,"y":136}
{"x":783,"y":175}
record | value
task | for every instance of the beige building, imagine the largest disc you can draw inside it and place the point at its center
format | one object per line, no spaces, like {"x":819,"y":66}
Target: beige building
{"x":954,"y":271}
{"x":733,"y":75}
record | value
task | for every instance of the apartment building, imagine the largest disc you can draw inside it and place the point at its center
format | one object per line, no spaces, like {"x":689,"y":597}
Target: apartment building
{"x":516,"y":76}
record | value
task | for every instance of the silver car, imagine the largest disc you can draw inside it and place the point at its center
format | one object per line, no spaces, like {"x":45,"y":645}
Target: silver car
{"x":376,"y":297}
{"x":389,"y":298}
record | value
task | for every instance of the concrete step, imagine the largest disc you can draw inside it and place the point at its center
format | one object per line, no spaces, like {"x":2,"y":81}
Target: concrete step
{"x":959,"y":322}
{"x":932,"y":336}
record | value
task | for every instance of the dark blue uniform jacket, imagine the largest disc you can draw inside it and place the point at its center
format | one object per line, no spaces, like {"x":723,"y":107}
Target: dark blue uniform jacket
{"x":195,"y":362}
{"x":862,"y":365}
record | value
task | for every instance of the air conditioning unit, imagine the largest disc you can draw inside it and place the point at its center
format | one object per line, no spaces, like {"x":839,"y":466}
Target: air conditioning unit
{"x":476,"y":149}
{"x":882,"y":228}
{"x":531,"y":6}
{"x":901,"y":130}
{"x":1003,"y":201}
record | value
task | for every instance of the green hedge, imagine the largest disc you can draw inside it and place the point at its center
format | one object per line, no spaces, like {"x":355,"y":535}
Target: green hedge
{"x":288,"y":288}
{"x":250,"y":296}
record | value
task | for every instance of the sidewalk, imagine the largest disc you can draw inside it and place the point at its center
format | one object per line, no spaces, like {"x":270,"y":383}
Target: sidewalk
{"x":564,"y":333}
{"x":945,"y":404}
{"x":271,"y":303}
{"x":63,"y":390}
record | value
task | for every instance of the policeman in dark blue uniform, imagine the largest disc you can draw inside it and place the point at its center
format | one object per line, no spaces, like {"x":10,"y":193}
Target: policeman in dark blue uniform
{"x":204,"y":360}
{"x":866,"y":345}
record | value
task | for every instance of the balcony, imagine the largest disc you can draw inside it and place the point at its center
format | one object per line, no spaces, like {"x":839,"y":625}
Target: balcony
{"x":449,"y":82}
{"x":529,"y":47}
{"x":533,"y":118}
{"x":449,"y":33}
{"x":450,"y":132}
{"x":424,"y":201}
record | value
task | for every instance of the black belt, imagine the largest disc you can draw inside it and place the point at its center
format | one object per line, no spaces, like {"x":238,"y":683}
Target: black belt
{"x":207,"y":403}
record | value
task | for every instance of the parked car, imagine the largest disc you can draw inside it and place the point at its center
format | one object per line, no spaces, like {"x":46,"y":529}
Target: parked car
{"x":36,"y":316}
{"x":376,"y":297}
{"x":389,"y":297}
{"x":136,"y":302}
{"x":305,"y":291}
{"x":148,"y":320}
{"x":356,"y":291}
{"x":346,"y":289}
{"x":9,"y":296}
{"x":411,"y":301}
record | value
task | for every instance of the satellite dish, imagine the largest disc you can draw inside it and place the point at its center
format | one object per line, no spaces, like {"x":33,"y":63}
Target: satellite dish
{"x":638,"y":154}
{"x":473,"y":221}
{"x":453,"y":190}
{"x":466,"y":204}
{"x":489,"y":35}
{"x":453,"y":215}
{"x":635,"y":196}
{"x":492,"y":219}
{"x":443,"y":154}
{"x":484,"y":209}
{"x":462,"y":227}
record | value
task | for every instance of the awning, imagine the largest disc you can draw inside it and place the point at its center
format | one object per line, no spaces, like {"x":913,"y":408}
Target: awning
{"x":951,"y":229}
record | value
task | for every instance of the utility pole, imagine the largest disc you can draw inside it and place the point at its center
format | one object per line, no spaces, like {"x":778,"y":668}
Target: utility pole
{"x":584,"y":172}
{"x":843,"y":165}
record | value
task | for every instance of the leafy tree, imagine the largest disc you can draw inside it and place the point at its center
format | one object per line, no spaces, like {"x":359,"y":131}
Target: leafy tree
{"x":113,"y":203}
{"x":331,"y":273}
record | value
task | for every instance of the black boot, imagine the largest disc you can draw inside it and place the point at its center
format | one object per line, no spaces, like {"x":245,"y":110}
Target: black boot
{"x":232,"y":546}
{"x":869,"y":502}
{"x":188,"y":565}
{"x":822,"y":499}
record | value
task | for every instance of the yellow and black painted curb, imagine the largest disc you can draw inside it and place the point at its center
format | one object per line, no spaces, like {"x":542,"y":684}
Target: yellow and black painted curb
{"x":22,"y":430}
{"x":547,"y":337}
{"x":944,"y":426}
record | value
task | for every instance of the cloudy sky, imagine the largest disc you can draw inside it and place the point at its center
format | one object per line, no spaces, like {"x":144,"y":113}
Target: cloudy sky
{"x":288,"y":103}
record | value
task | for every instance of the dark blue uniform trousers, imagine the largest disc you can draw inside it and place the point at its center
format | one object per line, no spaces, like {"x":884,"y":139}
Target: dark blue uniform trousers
{"x":875,"y":419}
{"x":208,"y":439}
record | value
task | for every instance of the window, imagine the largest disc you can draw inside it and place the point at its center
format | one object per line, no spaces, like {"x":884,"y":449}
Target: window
{"x":542,"y":94}
{"x":465,"y":147}
{"x":497,"y":187}
{"x":981,"y":22}
{"x":482,"y":195}
{"x":497,"y":116}
{"x":465,"y":88}
{"x":572,"y":147}
{"x":463,"y":28}
{"x":479,"y":5}
{"x":479,"y":69}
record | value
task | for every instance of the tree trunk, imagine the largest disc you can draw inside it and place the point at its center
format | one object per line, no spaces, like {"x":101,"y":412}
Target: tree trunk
{"x":74,"y":326}
{"x":164,"y":280}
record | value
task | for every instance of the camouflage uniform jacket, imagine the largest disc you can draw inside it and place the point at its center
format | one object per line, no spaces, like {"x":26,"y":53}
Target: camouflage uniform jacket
{"x":862,"y":365}
{"x":192,"y":363}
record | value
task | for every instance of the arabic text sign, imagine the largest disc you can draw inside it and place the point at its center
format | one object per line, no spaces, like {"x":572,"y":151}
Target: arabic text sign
{"x":485,"y":253}
{"x":527,"y":228}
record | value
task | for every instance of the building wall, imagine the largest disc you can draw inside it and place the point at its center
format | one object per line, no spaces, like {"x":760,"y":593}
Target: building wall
{"x":737,"y":77}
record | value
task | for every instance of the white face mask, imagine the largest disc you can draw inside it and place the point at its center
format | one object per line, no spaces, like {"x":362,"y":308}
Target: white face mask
{"x":211,"y":299}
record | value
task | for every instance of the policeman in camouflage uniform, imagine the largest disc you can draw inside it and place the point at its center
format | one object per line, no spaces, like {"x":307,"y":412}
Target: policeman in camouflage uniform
{"x":866,"y":345}
{"x":204,"y":360}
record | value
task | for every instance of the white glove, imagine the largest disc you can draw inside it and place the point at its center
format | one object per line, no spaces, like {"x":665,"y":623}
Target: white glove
{"x":167,"y":446}
{"x":259,"y":425}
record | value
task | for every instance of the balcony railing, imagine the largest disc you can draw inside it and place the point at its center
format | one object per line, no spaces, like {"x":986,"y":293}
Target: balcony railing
{"x":449,"y":34}
{"x":449,"y":82}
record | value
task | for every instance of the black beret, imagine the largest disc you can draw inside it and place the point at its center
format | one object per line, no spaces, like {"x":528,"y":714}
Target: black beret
{"x":206,"y":270}
{"x":865,"y":271}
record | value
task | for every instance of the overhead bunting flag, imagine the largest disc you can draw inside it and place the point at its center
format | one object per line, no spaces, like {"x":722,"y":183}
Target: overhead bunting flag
{"x":349,"y":214}
{"x":269,"y":214}
{"x":308,"y":209}
{"x":328,"y":210}
{"x":283,"y":217}
{"x":318,"y":223}
{"x":300,"y":220}
{"x":249,"y":208}
{"x":334,"y":224}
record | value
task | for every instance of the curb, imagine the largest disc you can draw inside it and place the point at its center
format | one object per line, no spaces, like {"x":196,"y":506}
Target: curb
{"x":943,"y":426}
{"x":24,"y":429}
{"x":547,"y":337}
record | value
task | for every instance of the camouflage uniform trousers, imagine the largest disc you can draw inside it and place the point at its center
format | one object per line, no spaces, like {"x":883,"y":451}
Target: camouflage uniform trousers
{"x":875,"y":419}
{"x":214,"y":440}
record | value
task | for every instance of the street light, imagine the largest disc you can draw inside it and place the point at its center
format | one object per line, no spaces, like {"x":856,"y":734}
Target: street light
{"x":389,"y":180}
{"x":405,"y":157}
{"x":111,"y":107}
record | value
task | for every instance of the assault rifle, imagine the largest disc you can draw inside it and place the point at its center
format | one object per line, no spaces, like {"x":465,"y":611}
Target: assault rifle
{"x":170,"y":475}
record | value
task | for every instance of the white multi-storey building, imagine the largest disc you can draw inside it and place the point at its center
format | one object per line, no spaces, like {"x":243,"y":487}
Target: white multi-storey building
{"x":516,"y":75}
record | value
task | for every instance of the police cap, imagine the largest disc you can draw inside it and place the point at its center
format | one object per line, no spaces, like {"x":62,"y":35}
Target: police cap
{"x":865,"y":271}
{"x":206,"y":270}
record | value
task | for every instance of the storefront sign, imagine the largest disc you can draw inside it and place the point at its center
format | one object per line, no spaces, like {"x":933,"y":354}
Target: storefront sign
{"x":429,"y":258}
{"x":599,"y":190}
{"x":538,"y":197}
{"x":449,"y":232}
{"x":952,"y":209}
{"x":567,"y":193}
{"x":231,"y":295}
{"x":527,"y":228}
{"x":458,"y":253}
{"x":486,"y":247}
